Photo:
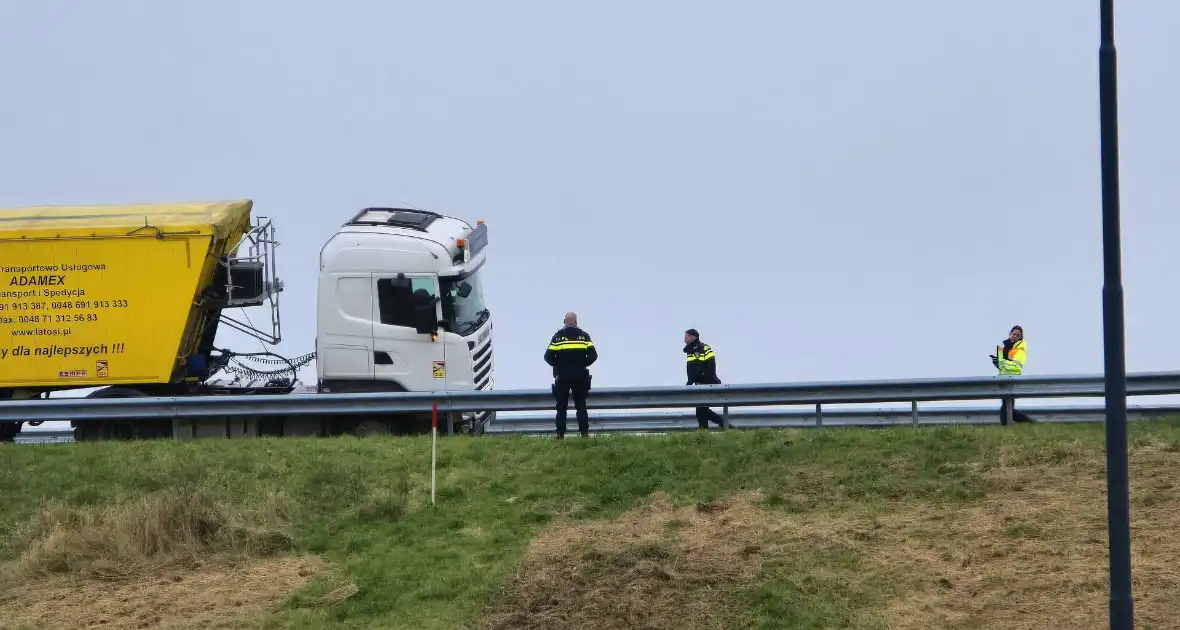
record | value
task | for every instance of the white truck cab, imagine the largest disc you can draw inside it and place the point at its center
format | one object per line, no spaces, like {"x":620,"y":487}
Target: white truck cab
{"x":400,"y":305}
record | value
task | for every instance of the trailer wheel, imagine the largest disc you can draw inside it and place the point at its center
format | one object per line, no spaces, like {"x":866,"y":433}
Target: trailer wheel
{"x":89,"y":430}
{"x":366,"y":428}
{"x":119,"y":429}
{"x":9,"y":431}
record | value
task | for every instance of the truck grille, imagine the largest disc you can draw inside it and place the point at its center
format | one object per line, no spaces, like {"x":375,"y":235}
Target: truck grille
{"x":482,"y":366}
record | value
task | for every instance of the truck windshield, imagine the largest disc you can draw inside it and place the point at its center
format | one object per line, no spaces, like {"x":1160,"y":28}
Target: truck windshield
{"x":463,"y":314}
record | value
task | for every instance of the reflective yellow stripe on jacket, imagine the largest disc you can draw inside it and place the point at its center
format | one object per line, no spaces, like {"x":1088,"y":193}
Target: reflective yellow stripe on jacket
{"x":570,"y":344}
{"x":705,"y":354}
{"x":1013,"y":364}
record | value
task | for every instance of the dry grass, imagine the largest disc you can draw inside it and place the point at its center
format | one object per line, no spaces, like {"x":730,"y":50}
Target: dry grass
{"x":163,"y":560}
{"x":215,"y":596}
{"x":1034,"y":555}
{"x":145,"y":534}
{"x":1030,"y":556}
{"x":654,"y":568}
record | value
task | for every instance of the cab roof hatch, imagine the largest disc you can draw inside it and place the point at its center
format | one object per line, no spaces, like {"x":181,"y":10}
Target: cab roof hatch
{"x":395,"y":217}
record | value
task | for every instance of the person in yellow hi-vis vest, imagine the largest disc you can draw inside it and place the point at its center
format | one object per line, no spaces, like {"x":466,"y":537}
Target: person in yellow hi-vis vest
{"x":1009,"y":359}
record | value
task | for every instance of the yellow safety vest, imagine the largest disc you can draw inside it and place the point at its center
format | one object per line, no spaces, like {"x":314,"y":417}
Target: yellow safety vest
{"x":1013,"y":364}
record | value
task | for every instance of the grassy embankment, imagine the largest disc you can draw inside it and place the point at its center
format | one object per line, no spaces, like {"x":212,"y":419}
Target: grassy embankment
{"x":930,"y":528}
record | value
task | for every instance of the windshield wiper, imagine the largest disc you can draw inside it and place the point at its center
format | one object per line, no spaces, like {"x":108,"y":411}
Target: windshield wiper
{"x":481,"y":316}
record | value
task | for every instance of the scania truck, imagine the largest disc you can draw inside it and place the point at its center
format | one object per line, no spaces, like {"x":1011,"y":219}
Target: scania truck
{"x":127,"y":300}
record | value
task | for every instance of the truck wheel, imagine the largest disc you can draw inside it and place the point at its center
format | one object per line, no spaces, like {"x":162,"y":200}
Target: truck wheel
{"x":9,"y":431}
{"x":88,"y":430}
{"x":483,"y":428}
{"x":365,"y":428}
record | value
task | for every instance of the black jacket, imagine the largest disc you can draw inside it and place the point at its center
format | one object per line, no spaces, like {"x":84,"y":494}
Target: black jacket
{"x":570,"y":352}
{"x":701,"y":365}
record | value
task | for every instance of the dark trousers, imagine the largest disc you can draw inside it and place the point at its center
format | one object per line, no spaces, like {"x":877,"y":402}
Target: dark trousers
{"x":1017,"y":416}
{"x":577,"y":385}
{"x":706,"y":415}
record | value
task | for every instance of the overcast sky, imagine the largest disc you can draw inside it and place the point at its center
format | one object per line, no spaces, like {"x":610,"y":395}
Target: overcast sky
{"x":827,"y":190}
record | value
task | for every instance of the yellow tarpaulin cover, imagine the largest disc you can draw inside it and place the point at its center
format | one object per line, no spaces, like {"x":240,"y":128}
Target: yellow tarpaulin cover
{"x":220,"y":218}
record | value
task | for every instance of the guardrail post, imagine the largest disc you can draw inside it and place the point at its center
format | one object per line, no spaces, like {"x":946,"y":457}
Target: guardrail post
{"x":819,"y":415}
{"x":1009,"y":407}
{"x":725,"y":418}
{"x":914,"y":411}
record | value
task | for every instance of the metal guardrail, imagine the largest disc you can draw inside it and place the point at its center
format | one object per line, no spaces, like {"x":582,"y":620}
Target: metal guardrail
{"x":673,"y":421}
{"x":663,"y":422}
{"x":736,"y":395}
{"x":667,"y":422}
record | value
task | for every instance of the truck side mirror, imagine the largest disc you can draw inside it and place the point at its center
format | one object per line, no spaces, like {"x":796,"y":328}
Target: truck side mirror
{"x":464,"y":289}
{"x":425,"y":321}
{"x":426,"y":326}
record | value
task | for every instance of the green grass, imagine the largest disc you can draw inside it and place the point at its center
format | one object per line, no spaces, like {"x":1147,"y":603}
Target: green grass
{"x":363,"y":504}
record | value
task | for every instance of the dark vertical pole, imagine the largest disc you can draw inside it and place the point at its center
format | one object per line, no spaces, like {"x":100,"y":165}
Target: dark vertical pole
{"x":1118,"y":508}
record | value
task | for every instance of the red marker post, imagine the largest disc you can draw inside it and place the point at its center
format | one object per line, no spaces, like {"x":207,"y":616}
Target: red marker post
{"x":433,"y":447}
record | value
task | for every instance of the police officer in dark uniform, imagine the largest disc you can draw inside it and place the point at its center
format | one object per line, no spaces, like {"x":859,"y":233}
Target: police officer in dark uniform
{"x":702,"y":370}
{"x":570,"y":353}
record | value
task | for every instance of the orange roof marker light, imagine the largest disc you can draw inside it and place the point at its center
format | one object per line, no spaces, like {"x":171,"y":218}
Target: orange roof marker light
{"x":462,"y":243}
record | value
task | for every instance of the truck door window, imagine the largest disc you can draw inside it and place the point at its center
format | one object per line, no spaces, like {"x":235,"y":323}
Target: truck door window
{"x":396,"y":306}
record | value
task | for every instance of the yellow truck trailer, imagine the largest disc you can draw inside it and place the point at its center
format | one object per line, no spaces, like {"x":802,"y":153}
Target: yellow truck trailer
{"x":129,"y":299}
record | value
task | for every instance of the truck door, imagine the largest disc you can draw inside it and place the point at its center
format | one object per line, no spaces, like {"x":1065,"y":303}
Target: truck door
{"x":400,"y":354}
